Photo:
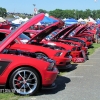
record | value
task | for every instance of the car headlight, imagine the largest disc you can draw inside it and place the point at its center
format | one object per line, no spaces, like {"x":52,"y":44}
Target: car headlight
{"x":51,"y":66}
{"x":58,"y":54}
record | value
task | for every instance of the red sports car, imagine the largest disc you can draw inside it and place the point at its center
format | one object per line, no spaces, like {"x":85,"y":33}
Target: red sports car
{"x":86,"y":37}
{"x":76,"y":53}
{"x":56,"y":53}
{"x":80,"y":45}
{"x":87,"y":32}
{"x":22,"y":70}
{"x":62,"y":36}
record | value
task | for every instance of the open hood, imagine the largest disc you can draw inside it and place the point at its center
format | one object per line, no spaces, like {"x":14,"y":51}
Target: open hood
{"x":75,"y":31}
{"x":65,"y":31}
{"x":80,"y":29}
{"x":40,"y":36}
{"x":19,"y":30}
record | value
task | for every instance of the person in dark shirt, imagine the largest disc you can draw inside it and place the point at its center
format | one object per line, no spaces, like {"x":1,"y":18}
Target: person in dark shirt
{"x":97,"y":33}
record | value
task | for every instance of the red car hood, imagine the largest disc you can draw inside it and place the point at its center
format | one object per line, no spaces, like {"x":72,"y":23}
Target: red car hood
{"x":5,"y":31}
{"x":81,"y":29}
{"x":91,"y":31}
{"x":67,"y":47}
{"x":41,"y":35}
{"x":21,"y":29}
{"x":84,"y":39}
{"x":66,"y":30}
{"x":77,"y":29}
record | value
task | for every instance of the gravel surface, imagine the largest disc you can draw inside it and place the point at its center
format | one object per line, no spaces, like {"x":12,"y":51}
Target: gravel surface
{"x":82,"y":82}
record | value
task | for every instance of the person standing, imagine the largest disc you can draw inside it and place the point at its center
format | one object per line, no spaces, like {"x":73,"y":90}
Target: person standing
{"x":97,"y":33}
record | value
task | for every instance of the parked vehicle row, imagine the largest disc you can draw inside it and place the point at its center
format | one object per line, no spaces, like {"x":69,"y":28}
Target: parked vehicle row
{"x":29,"y":59}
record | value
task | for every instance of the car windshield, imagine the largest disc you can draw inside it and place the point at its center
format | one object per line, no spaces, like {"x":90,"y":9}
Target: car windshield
{"x":24,"y":37}
{"x":51,"y":35}
{"x":75,"y":31}
{"x":48,"y":37}
{"x":72,"y":34}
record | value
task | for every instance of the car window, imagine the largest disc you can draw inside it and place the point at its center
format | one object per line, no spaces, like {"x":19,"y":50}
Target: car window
{"x":72,"y":33}
{"x":24,"y":37}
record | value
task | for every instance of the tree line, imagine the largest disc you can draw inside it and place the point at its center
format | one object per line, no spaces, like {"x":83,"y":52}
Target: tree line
{"x":3,"y":12}
{"x":59,"y":13}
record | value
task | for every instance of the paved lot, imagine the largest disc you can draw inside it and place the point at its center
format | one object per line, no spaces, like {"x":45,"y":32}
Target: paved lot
{"x":80,"y":83}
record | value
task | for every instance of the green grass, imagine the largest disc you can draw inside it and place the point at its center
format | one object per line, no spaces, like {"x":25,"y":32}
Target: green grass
{"x":92,"y":50}
{"x":10,"y":96}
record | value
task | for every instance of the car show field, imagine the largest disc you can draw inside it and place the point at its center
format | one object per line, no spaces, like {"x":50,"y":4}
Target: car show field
{"x":37,"y":62}
{"x":64,"y":78}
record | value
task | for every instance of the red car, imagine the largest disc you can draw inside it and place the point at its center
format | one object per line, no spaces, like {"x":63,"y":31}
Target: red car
{"x":88,"y":32}
{"x":72,"y":36}
{"x":86,"y":37}
{"x":78,"y":43}
{"x":5,"y":25}
{"x":56,"y":53}
{"x":77,"y":56}
{"x":22,"y":70}
{"x":62,"y":36}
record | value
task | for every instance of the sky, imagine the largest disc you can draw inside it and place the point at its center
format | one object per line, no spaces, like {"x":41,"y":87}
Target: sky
{"x":26,"y":6}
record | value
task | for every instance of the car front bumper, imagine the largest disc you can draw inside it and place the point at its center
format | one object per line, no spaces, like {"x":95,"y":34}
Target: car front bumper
{"x":61,"y":61}
{"x":49,"y":77}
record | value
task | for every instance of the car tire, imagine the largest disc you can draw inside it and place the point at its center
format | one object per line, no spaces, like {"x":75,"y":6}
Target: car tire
{"x":41,"y":54}
{"x":87,"y":58}
{"x":24,"y":81}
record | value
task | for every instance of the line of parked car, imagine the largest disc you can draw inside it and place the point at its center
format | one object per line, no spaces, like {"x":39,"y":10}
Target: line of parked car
{"x":31,"y":59}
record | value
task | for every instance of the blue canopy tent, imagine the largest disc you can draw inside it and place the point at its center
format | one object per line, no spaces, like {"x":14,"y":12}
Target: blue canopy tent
{"x":70,"y":21}
{"x":48,"y":20}
{"x":98,"y":21}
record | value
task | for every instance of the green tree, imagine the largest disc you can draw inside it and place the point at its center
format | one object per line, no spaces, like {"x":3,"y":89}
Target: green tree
{"x":42,"y":11}
{"x":3,"y":12}
{"x":57,"y":13}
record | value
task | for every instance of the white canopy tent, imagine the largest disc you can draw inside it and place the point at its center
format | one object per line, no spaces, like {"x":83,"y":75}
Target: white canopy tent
{"x":2,"y":19}
{"x":20,"y":20}
{"x":80,"y":20}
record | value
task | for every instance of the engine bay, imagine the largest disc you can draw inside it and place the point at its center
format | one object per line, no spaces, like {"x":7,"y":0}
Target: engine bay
{"x":54,"y":47}
{"x":27,"y":54}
